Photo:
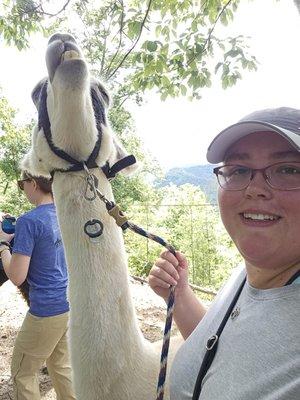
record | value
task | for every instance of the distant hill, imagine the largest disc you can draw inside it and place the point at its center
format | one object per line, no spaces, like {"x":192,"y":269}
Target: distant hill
{"x":198,"y":175}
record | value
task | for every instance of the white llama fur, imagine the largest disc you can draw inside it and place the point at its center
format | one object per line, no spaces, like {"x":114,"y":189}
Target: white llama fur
{"x":110,"y":357}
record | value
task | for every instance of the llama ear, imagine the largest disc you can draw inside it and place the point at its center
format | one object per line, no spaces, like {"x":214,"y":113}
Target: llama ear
{"x":101,"y":91}
{"x":104,"y":94}
{"x":35,"y":94}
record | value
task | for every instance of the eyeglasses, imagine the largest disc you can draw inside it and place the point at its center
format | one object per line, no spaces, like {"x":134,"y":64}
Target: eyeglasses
{"x":21,"y":183}
{"x":280,"y":176}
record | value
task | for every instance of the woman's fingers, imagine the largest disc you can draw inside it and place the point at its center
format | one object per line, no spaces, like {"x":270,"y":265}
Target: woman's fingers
{"x":178,"y":259}
{"x":182,"y":261}
{"x":168,"y":267}
{"x":168,"y":256}
{"x":168,"y":270}
{"x":155,"y":282}
{"x":165,"y":273}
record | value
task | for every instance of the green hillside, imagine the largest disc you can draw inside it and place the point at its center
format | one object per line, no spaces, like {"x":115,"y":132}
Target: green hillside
{"x":198,"y":175}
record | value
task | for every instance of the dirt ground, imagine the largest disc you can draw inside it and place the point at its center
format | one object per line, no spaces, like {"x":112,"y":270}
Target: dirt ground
{"x":151,"y":312}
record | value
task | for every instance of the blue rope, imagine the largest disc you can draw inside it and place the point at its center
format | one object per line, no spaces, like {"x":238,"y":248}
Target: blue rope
{"x":170,"y":310}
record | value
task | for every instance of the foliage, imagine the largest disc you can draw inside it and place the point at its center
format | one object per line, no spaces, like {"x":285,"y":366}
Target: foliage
{"x":14,"y":142}
{"x":128,"y":190}
{"x":167,"y":45}
{"x":17,"y":21}
{"x":20,"y":18}
{"x":12,"y":200}
{"x":185,"y":219}
{"x":197,"y":175}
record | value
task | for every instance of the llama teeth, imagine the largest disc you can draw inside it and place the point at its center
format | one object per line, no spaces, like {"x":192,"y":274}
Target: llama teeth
{"x":70,"y":55}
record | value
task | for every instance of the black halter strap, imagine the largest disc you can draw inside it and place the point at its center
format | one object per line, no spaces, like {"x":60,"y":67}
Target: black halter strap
{"x":111,"y":172}
{"x":44,"y":122}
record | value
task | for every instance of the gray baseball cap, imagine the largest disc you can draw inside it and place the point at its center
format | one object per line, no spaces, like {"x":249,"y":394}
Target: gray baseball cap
{"x":284,"y":121}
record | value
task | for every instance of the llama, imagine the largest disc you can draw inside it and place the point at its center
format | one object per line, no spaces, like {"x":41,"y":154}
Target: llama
{"x":110,"y":357}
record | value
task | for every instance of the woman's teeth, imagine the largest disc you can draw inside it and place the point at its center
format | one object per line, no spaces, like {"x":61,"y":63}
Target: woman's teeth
{"x":260,"y":217}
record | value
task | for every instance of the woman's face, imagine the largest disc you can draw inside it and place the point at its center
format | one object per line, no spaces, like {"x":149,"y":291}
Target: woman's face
{"x":263,"y":222}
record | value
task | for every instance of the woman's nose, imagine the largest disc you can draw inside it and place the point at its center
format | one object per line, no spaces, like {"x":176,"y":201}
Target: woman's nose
{"x":258,"y":186}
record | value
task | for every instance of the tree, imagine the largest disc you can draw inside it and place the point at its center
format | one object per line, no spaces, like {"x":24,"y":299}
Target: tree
{"x":20,"y":18}
{"x":183,"y":217}
{"x":14,"y":142}
{"x":136,"y":188}
{"x":167,"y":45}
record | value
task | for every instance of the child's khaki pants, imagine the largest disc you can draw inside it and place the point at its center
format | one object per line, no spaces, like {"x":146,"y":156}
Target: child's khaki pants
{"x":42,"y":339}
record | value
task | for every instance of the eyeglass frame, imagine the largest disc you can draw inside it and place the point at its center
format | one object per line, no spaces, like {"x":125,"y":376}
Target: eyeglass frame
{"x":20,"y":183}
{"x":253,"y":172}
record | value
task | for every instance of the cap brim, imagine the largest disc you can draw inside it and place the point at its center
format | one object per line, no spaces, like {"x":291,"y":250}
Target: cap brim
{"x":218,"y":148}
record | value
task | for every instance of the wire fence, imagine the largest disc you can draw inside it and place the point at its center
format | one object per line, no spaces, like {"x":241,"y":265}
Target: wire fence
{"x":194,"y":229}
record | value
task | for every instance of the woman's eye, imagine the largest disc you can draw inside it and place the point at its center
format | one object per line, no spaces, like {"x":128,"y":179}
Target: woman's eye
{"x":239,"y":171}
{"x":288,"y":170}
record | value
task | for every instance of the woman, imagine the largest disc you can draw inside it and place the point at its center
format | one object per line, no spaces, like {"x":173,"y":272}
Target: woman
{"x":38,"y":256}
{"x":257,"y":354}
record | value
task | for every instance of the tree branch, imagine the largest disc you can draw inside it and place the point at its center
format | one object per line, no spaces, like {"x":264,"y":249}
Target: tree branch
{"x":206,"y":43}
{"x":135,"y":43}
{"x":120,"y":39}
{"x":105,"y":45}
{"x":50,"y":14}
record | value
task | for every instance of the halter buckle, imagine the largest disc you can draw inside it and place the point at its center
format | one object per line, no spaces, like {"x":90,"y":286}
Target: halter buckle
{"x":118,"y":215}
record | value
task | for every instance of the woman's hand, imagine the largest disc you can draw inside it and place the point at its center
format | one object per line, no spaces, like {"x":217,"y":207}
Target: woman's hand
{"x":170,"y":270}
{"x":167,"y":271}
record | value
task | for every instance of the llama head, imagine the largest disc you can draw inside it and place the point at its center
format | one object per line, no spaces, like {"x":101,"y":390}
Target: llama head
{"x":72,"y":110}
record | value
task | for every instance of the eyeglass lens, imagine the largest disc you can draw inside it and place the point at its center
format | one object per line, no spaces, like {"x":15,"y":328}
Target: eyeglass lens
{"x":282,"y":176}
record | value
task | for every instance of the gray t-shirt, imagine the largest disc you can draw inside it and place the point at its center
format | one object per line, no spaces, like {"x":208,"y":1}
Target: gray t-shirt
{"x":258,"y":356}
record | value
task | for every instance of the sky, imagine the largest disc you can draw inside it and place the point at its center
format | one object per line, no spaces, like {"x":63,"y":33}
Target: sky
{"x":177,"y":132}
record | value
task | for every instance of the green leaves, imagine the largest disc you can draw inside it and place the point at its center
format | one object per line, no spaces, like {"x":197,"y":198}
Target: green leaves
{"x":183,"y":217}
{"x":234,"y":59}
{"x":151,"y":46}
{"x":142,"y":42}
{"x":165,"y":45}
{"x":21,"y":18}
{"x":134,"y":28}
{"x":14,"y":142}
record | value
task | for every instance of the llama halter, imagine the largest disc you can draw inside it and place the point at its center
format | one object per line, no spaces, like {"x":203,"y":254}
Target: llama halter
{"x":90,"y":194}
{"x":76,"y":165}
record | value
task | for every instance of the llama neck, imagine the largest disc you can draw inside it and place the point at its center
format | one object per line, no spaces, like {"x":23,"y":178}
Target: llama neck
{"x":98,"y":279}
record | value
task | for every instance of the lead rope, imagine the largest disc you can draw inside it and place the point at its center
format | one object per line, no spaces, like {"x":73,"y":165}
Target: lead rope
{"x":122,"y":221}
{"x":170,"y":310}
